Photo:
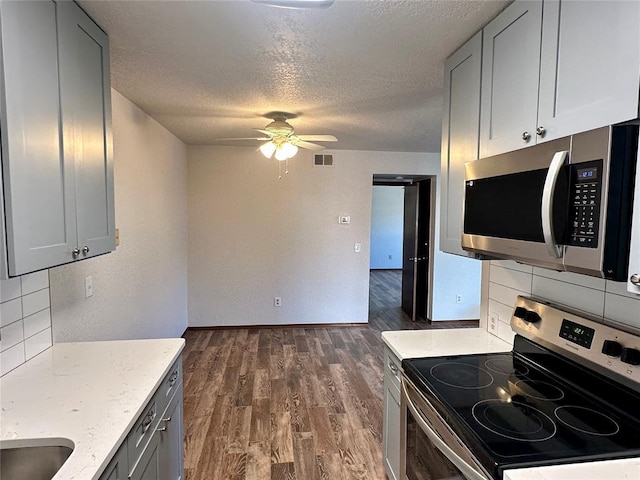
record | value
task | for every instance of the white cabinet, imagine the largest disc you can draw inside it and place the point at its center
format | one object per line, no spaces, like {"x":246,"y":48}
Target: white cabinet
{"x":55,"y":124}
{"x":556,"y":68}
{"x":391,"y":431}
{"x":460,"y":136}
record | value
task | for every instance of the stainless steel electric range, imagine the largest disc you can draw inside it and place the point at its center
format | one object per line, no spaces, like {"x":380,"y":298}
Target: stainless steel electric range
{"x":568,"y":392}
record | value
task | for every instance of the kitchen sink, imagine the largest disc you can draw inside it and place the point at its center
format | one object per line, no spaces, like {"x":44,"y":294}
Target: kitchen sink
{"x":35,"y":462}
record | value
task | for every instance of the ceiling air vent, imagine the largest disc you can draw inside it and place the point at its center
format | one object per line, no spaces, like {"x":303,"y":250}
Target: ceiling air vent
{"x":323,"y":160}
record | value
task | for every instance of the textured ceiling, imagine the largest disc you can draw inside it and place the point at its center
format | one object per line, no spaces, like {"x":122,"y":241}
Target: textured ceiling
{"x":369,"y":72}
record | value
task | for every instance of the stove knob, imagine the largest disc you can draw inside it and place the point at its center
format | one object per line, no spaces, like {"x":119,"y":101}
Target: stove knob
{"x":611,"y":348}
{"x":520,"y":312}
{"x":630,"y":356}
{"x":532,"y":317}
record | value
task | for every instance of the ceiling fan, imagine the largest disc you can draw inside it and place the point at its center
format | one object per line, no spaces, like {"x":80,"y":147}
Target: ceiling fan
{"x":281,"y":139}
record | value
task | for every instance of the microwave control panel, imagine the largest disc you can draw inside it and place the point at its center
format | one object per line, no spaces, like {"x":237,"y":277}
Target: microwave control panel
{"x":584,"y":204}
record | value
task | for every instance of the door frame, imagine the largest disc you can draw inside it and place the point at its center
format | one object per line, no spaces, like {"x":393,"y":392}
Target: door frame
{"x":400,"y":180}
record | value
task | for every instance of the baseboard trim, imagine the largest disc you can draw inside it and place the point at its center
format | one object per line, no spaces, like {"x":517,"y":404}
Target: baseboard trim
{"x":287,"y":325}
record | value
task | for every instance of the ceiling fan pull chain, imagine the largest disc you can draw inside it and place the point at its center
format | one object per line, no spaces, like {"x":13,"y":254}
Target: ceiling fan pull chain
{"x":279,"y":170}
{"x":286,"y":167}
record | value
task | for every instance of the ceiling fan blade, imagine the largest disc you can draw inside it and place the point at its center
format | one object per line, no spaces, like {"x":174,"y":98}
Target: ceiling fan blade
{"x":309,"y":145}
{"x":266,"y":132}
{"x":318,"y":138}
{"x":252,"y":138}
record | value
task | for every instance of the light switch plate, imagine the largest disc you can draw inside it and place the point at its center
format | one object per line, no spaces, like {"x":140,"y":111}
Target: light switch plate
{"x":344,"y":219}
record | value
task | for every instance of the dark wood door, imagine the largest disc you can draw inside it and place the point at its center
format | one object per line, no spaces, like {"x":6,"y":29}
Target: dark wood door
{"x":409,"y":249}
{"x":415,"y":263}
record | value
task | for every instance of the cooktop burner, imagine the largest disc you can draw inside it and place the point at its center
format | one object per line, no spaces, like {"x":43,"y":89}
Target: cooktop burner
{"x":461,"y":375}
{"x":514,"y":420}
{"x":513,"y":413}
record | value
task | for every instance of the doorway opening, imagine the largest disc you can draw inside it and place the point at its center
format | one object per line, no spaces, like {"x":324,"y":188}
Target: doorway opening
{"x":401,"y":232}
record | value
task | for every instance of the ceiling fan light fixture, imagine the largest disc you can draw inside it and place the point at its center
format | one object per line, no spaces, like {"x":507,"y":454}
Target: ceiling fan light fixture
{"x":290,"y":149}
{"x":296,"y":4}
{"x":268,"y":149}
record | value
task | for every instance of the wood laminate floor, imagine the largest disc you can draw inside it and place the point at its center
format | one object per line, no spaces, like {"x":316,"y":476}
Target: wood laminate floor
{"x":290,"y":403}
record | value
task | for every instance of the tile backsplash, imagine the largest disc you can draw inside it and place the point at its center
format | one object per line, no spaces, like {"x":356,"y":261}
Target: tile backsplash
{"x":604,"y":299}
{"x":25,"y":319}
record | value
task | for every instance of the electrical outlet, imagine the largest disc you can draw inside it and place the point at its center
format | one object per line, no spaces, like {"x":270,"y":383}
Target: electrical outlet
{"x":117,"y":237}
{"x":493,"y":323}
{"x":88,"y":286}
{"x":390,"y":257}
{"x":357,"y":247}
{"x":458,"y":298}
{"x":277,"y":301}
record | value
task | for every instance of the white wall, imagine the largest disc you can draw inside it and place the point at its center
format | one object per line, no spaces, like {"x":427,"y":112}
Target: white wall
{"x":140,"y":290}
{"x":609,"y":301}
{"x":253,"y":237}
{"x":387,"y":214}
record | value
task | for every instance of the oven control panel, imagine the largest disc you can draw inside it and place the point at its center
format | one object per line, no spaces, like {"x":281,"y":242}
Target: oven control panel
{"x":579,"y":336}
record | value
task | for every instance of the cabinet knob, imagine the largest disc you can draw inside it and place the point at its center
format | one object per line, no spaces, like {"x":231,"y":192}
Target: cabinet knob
{"x":526,"y":136}
{"x":635,"y":279}
{"x":540,"y":131}
{"x":75,"y":252}
{"x":85,"y":249}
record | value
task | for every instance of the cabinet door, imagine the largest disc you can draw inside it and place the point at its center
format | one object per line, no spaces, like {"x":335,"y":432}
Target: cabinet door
{"x":391,"y":432}
{"x":118,"y":468}
{"x":460,"y":136}
{"x":589,"y":74}
{"x":148,"y":466}
{"x":39,"y":209}
{"x":510,"y":73}
{"x":171,"y":440}
{"x":86,"y":117}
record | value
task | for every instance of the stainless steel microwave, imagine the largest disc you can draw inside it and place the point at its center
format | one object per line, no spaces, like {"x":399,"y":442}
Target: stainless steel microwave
{"x":565,"y":204}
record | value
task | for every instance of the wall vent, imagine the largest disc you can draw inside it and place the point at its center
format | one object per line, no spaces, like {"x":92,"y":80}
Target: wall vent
{"x":323,"y":160}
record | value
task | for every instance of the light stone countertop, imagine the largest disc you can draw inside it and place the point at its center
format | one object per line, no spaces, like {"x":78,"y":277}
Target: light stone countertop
{"x":89,"y":394}
{"x":440,"y":342}
{"x":434,"y":343}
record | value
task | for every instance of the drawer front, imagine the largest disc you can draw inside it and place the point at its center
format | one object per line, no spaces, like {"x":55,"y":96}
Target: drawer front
{"x":392,"y":369}
{"x":169,"y":385}
{"x":143,"y":430}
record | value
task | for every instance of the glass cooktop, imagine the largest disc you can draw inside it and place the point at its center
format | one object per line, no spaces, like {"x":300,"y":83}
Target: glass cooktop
{"x":512,"y":413}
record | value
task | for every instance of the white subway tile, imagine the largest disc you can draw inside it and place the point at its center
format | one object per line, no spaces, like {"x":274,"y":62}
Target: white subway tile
{"x":10,"y":311}
{"x":37,"y":322}
{"x":505,"y":332}
{"x":37,"y":344}
{"x":35,"y":302}
{"x":511,"y":278}
{"x":510,"y":264}
{"x":34,"y":281}
{"x":504,"y":312}
{"x":11,"y":335}
{"x":11,"y":358}
{"x":620,"y":288}
{"x":582,"y":298}
{"x":505,"y":295}
{"x":622,"y":309}
{"x":9,"y":289}
{"x":569,"y":277}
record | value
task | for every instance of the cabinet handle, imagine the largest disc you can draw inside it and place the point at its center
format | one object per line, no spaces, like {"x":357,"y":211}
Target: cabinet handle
{"x":173,"y":378}
{"x":146,"y":423}
{"x":85,"y":249}
{"x":526,"y":136}
{"x":393,"y":368}
{"x":75,"y":252}
{"x":164,"y":429}
{"x":635,"y":279}
{"x":540,"y":131}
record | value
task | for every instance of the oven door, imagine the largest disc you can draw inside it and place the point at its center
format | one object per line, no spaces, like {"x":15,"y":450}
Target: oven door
{"x":431,"y":451}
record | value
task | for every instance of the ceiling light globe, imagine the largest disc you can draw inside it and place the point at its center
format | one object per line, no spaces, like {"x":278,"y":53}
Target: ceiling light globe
{"x":268,"y":149}
{"x":290,"y":150}
{"x":281,"y":154}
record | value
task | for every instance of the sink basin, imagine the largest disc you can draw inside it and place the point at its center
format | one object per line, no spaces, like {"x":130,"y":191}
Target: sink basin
{"x":35,"y":462}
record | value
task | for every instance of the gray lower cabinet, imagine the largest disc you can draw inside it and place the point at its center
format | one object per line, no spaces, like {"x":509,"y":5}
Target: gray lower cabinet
{"x":391,"y":431}
{"x":55,"y":126}
{"x":153,"y":449}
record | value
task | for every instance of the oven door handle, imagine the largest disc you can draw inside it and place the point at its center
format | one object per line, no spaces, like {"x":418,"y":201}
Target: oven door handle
{"x":467,"y":470}
{"x":558,"y":161}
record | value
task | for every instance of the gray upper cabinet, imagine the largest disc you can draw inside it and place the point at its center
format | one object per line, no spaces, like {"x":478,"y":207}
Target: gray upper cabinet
{"x":57,"y":167}
{"x":460,"y":136}
{"x":510,"y":70}
{"x":590,"y":68}
{"x":554,"y":68}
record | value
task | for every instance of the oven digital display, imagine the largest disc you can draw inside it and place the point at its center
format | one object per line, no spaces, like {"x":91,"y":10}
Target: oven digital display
{"x":576,"y":333}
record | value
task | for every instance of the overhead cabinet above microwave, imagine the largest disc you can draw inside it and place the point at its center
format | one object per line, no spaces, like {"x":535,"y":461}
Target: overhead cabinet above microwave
{"x":55,"y":124}
{"x":555,"y":68}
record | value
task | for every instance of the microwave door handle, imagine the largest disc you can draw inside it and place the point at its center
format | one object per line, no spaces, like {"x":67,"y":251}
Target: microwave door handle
{"x":467,"y":470}
{"x":558,"y":161}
